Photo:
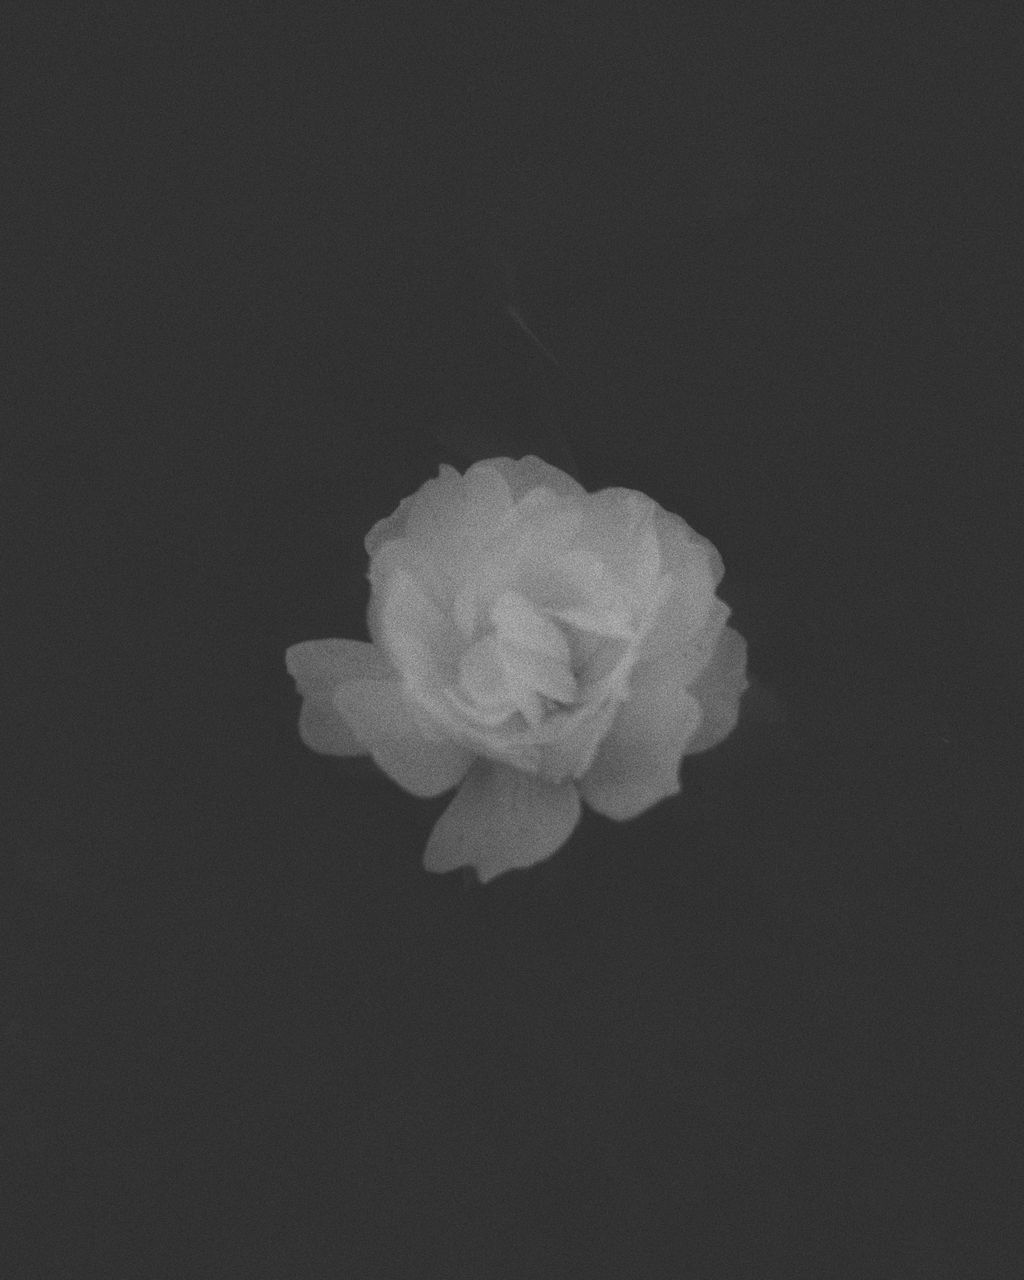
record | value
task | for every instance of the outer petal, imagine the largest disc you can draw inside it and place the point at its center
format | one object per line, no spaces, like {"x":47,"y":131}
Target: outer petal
{"x":447,"y":518}
{"x":523,"y":474}
{"x":380,"y":716}
{"x":318,"y":667}
{"x":619,"y":528}
{"x":686,"y":619}
{"x":502,"y":819}
{"x":637,"y":764}
{"x":407,"y":624}
{"x":718,"y":689}
{"x":684,"y":700}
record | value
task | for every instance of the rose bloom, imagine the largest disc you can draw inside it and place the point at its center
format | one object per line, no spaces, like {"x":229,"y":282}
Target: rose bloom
{"x":533,"y":645}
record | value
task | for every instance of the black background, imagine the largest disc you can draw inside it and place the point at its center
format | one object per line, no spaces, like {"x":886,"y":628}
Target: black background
{"x":264,"y":275}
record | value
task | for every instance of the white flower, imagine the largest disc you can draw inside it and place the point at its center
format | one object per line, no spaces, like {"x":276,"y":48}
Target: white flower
{"x":532,"y":644}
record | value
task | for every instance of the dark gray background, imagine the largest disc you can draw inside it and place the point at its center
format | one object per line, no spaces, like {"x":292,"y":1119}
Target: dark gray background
{"x":261,"y":276}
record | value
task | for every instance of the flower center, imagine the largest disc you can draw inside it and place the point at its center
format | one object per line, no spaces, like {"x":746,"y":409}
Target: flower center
{"x":523,"y":664}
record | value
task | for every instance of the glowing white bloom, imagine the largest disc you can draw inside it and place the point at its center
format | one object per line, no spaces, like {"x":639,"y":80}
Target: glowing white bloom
{"x":532,"y":644}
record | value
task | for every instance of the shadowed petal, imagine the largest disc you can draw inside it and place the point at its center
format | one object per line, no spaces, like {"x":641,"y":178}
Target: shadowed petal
{"x":718,"y":689}
{"x":637,"y":764}
{"x":379,"y":715}
{"x":318,"y":667}
{"x":500,"y":819}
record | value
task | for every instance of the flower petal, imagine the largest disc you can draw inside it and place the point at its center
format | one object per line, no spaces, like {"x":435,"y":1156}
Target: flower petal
{"x":637,"y":764}
{"x":571,"y":755}
{"x":502,"y":819}
{"x":619,"y":531}
{"x":694,"y":568}
{"x":379,"y":714}
{"x":522,"y":475}
{"x":685,"y":694}
{"x":318,"y":667}
{"x":448,"y":518}
{"x":413,"y":631}
{"x":718,"y":689}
